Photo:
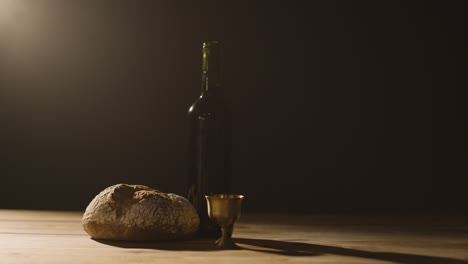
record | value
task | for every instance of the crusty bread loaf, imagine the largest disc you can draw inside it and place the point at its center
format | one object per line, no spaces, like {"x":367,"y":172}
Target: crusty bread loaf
{"x":137,"y":212}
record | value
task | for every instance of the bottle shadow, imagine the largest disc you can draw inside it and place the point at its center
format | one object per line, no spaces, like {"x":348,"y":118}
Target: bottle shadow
{"x":304,"y":249}
{"x":285,"y":248}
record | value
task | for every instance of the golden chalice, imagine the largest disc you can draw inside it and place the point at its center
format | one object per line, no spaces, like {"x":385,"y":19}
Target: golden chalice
{"x":224,"y":210}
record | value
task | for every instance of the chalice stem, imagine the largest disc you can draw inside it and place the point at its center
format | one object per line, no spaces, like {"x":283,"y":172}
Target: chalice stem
{"x":226,"y":239}
{"x":227,"y":231}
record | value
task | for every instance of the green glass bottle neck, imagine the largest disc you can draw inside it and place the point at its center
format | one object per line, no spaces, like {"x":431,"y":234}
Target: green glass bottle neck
{"x":210,"y":67}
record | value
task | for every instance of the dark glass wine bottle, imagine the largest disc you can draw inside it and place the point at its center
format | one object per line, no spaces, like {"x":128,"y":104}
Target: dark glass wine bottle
{"x":209,"y":141}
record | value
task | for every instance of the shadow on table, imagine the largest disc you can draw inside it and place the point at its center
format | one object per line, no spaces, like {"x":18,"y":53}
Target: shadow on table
{"x":305,"y":249}
{"x":285,"y":248}
{"x":176,"y":245}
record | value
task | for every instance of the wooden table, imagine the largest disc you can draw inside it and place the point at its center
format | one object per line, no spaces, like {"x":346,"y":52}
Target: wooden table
{"x":57,"y":237}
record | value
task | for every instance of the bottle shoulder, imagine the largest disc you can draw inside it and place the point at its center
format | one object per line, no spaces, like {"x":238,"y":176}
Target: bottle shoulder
{"x":208,"y":104}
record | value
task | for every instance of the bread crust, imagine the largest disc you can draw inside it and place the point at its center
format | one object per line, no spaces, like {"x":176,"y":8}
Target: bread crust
{"x":137,"y":212}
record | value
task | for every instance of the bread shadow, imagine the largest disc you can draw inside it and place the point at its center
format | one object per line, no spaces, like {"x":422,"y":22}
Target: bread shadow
{"x":175,"y":245}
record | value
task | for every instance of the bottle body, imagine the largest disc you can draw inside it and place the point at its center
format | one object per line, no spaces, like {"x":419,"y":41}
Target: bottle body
{"x":209,"y":148}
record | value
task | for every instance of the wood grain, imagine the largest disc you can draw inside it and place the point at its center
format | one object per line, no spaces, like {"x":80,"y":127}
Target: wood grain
{"x":58,"y":237}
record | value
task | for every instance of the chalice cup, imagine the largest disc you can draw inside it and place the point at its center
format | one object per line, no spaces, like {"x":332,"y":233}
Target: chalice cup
{"x":224,"y":210}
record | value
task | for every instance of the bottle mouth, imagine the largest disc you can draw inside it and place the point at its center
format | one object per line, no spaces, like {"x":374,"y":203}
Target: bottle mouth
{"x":210,"y":43}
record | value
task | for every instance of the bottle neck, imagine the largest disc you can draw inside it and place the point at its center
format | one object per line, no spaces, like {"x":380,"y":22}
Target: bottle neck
{"x":210,"y":68}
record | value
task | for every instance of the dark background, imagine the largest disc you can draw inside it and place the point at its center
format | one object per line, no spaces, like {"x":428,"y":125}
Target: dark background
{"x":338,"y":105}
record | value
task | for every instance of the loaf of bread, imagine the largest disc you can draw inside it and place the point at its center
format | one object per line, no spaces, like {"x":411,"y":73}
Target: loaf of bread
{"x":137,"y":212}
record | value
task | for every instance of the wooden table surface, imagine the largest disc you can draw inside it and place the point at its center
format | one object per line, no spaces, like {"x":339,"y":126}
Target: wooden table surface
{"x":57,"y":237}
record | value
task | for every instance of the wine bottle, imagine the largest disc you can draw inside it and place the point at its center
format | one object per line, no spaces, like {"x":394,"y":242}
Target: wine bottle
{"x":209,"y":141}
